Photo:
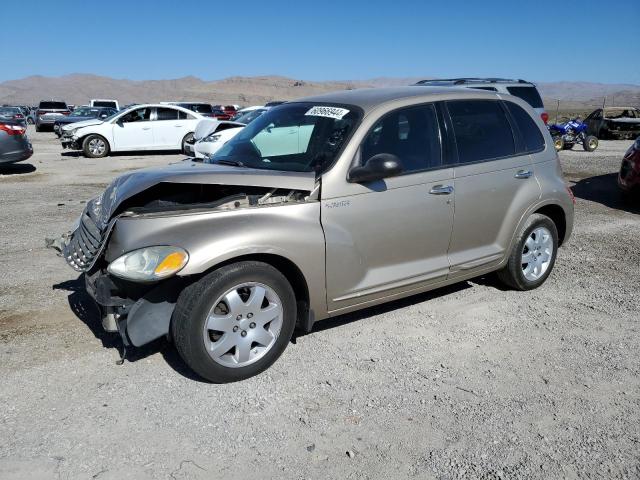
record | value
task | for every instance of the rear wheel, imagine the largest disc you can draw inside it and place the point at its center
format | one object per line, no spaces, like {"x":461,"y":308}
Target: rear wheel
{"x":95,"y":146}
{"x":235,"y":322}
{"x":533,"y":255}
{"x":590,"y":143}
{"x":558,"y":143}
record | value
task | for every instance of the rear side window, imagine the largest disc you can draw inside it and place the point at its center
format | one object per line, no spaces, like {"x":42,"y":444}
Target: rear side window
{"x":201,"y":108}
{"x":53,"y":105}
{"x":167,"y":114}
{"x":411,"y":134}
{"x":184,"y":115}
{"x":482,"y":130}
{"x":528,"y":94}
{"x":531,"y":136}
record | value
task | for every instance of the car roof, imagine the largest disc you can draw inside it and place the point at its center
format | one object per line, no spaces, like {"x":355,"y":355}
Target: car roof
{"x":162,"y":105}
{"x":370,"y":98}
{"x":473,"y":81}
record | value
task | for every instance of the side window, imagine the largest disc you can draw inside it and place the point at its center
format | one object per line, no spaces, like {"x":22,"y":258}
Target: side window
{"x":138,"y":115}
{"x":481,"y":129}
{"x":184,"y":115}
{"x":411,"y":134}
{"x":531,"y":136}
{"x":166,"y":113}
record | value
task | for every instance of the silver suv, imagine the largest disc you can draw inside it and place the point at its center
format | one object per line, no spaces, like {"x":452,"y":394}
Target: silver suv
{"x":527,"y":91}
{"x":319,"y":207}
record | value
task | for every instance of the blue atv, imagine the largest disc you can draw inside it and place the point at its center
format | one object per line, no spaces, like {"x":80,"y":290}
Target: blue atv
{"x":566,"y":135}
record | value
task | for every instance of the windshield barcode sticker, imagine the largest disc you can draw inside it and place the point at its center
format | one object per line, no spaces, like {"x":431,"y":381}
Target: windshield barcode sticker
{"x":329,"y":112}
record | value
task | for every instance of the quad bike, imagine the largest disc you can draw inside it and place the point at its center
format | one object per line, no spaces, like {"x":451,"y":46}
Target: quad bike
{"x":566,"y":135}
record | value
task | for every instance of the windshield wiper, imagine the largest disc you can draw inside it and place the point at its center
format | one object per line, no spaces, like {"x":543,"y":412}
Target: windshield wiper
{"x":231,"y":162}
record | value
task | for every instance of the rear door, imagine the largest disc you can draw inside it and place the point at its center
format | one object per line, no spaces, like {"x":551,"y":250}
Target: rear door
{"x":391,"y":236}
{"x":170,"y":127}
{"x":132,"y":131}
{"x":494,"y":182}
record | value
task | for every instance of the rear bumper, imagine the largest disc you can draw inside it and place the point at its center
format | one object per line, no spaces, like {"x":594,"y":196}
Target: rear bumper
{"x":17,"y":153}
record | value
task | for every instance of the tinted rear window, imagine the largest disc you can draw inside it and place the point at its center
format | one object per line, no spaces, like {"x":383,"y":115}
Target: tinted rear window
{"x":528,"y":94}
{"x":529,"y":131}
{"x":104,"y":104}
{"x":53,"y":105}
{"x":481,"y":129}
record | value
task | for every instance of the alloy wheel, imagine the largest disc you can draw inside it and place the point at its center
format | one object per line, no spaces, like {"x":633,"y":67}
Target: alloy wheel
{"x":243,"y":325}
{"x":537,"y":254}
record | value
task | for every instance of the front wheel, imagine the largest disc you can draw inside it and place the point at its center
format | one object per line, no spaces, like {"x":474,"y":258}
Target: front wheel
{"x":95,"y":146}
{"x":30,"y":121}
{"x":590,"y":143}
{"x":533,"y":255}
{"x":188,"y":138}
{"x":234,"y":322}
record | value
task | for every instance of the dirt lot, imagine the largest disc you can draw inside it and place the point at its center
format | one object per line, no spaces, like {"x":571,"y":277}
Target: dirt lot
{"x":465,"y":382}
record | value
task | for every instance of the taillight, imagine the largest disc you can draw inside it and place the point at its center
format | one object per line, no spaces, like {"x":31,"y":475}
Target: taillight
{"x":19,"y":115}
{"x":12,"y":129}
{"x":66,"y":113}
{"x":545,"y":117}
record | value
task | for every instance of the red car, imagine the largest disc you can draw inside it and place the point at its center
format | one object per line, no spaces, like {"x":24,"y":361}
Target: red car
{"x":629,"y":176}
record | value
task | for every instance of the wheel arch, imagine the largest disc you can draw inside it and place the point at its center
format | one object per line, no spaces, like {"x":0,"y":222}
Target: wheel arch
{"x":81,"y":139}
{"x":557,"y":215}
{"x":293,"y":274}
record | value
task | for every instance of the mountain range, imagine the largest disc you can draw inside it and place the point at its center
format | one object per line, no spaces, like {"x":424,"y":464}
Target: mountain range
{"x":80,"y":88}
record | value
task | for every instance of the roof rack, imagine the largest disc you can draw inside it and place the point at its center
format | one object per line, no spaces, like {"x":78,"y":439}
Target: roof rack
{"x":466,"y":80}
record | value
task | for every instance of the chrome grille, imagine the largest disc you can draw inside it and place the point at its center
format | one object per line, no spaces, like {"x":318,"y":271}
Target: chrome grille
{"x":85,"y":245}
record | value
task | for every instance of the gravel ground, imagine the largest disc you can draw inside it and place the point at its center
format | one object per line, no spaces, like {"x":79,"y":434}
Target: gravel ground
{"x":469,"y":381}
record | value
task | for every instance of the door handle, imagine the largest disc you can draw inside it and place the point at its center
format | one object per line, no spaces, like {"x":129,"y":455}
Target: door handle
{"x":146,"y":128}
{"x":441,"y":190}
{"x":177,"y":126}
{"x":523,"y":174}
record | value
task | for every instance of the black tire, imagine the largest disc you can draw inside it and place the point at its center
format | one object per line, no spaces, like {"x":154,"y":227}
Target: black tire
{"x":590,"y":143}
{"x":188,"y":136}
{"x":512,"y":275}
{"x":30,"y":121}
{"x":195,"y":302}
{"x":38,"y":128}
{"x":558,"y":143}
{"x":89,"y":151}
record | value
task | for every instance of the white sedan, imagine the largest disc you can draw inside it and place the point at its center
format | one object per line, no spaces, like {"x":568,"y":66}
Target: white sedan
{"x":210,"y":135}
{"x":141,"y":127}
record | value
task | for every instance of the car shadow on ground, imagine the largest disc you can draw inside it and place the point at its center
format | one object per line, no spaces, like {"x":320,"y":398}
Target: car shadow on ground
{"x":366,"y":313}
{"x":603,"y":189}
{"x":138,"y":153}
{"x":16,"y":169}
{"x":86,"y":310}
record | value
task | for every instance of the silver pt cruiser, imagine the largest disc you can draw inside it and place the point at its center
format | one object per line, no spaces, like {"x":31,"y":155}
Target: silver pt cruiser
{"x":323,"y":206}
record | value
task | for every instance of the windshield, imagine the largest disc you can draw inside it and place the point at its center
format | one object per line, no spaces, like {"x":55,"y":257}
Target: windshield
{"x":295,"y":137}
{"x":9,"y":111}
{"x":104,"y":103}
{"x":199,"y":107}
{"x":85,"y":112}
{"x":249,"y":116}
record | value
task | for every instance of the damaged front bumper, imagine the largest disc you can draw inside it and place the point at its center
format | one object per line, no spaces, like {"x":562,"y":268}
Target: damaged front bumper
{"x":140,"y":313}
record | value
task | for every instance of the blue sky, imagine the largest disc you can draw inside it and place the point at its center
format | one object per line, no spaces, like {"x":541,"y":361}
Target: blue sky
{"x":324,"y":39}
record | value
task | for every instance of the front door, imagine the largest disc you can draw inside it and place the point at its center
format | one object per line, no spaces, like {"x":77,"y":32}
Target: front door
{"x":391,"y":236}
{"x":133,"y":131}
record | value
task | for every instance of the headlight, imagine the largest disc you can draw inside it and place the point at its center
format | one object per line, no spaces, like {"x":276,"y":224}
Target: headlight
{"x":149,"y":264}
{"x":211,"y":138}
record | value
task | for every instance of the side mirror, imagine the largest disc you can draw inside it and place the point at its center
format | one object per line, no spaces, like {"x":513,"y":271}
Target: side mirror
{"x":382,"y":165}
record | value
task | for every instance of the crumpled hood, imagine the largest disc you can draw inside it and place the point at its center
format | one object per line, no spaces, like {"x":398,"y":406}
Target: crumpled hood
{"x":130,"y":184}
{"x":84,"y":123}
{"x":206,"y":127}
